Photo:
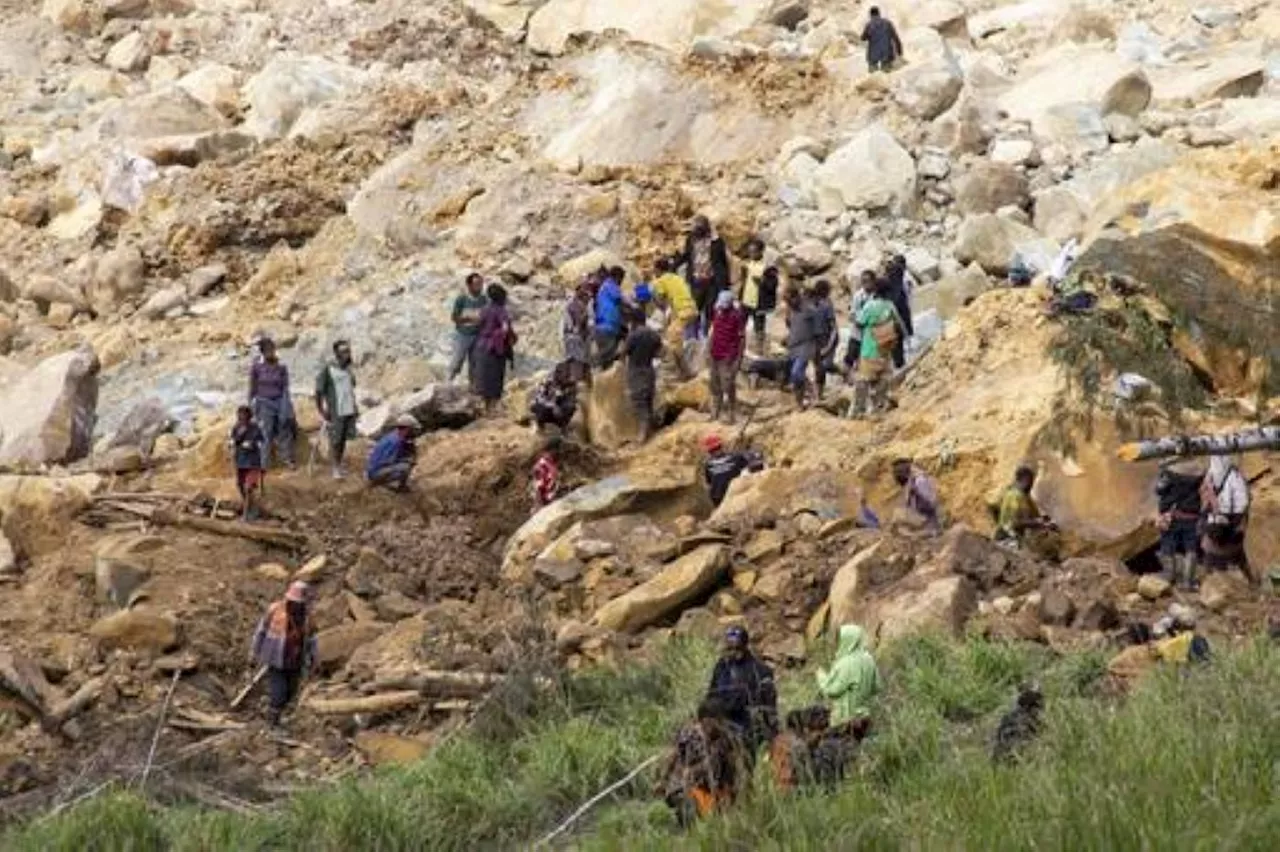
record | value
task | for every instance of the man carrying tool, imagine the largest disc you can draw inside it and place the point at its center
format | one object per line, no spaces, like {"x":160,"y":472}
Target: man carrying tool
{"x":285,"y":644}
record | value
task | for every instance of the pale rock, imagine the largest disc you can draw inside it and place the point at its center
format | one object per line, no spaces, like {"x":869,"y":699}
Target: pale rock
{"x":131,"y":53}
{"x":60,"y":315}
{"x":46,"y":290}
{"x":1208,"y":137}
{"x":136,"y":630}
{"x":922,"y":264}
{"x":165,"y":70}
{"x":1250,"y":118}
{"x":870,"y":171}
{"x":122,"y":563}
{"x":782,"y":494}
{"x":676,"y":585}
{"x":1060,"y":213}
{"x":8,"y":558}
{"x":1153,"y":587}
{"x":510,"y":17}
{"x":799,"y":173}
{"x":945,"y":16}
{"x":929,"y":83}
{"x":934,"y":164}
{"x":118,"y":275}
{"x":204,"y":279}
{"x":337,"y":644}
{"x":788,"y":14}
{"x":97,"y":84}
{"x":1030,"y":13}
{"x":943,"y":604}
{"x":79,"y":16}
{"x":47,"y":415}
{"x":215,"y":85}
{"x":168,"y":112}
{"x":668,"y":488}
{"x":273,"y":571}
{"x":1013,"y":152}
{"x":437,"y":406}
{"x":163,"y":302}
{"x":988,"y":186}
{"x":113,"y":9}
{"x":992,"y":241}
{"x":672,"y":25}
{"x":142,"y":425}
{"x":813,"y":256}
{"x":1068,"y":85}
{"x":952,"y":292}
{"x":1122,"y":128}
{"x":287,"y":85}
{"x":1236,"y":71}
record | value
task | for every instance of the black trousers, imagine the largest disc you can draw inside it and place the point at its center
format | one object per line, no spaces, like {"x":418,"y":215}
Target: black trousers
{"x":282,"y":686}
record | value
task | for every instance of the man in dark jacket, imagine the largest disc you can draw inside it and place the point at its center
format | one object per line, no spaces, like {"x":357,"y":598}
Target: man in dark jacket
{"x":883,"y":45}
{"x":896,"y":276}
{"x":1178,"y":499}
{"x":706,"y":262}
{"x":748,"y":688}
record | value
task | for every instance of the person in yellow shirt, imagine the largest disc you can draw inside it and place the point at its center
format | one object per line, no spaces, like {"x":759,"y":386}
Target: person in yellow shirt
{"x":671,"y":293}
{"x":758,"y":292}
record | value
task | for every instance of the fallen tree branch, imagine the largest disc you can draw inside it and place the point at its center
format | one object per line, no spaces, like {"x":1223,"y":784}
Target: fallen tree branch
{"x":238,"y":529}
{"x":385,"y":702}
{"x":594,"y":800}
{"x":88,"y":693}
{"x":155,"y":740}
{"x":244,"y":693}
{"x":441,"y":683}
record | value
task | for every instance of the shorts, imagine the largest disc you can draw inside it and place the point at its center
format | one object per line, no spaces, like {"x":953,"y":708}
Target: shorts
{"x":249,"y":479}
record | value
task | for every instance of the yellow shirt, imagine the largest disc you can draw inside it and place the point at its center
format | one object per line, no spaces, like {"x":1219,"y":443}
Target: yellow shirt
{"x":754,"y":272}
{"x":674,"y":290}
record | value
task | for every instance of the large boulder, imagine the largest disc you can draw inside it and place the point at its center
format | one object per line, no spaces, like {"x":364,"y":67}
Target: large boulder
{"x":931,"y":80}
{"x":289,"y":84}
{"x":1203,"y":235}
{"x":38,"y":510}
{"x":660,"y":490}
{"x":47,"y":415}
{"x":122,"y":564}
{"x":437,"y":406}
{"x":1238,"y":71}
{"x":987,"y":186}
{"x":992,"y":241}
{"x":1055,"y":91}
{"x":678,"y":584}
{"x":780,"y":494}
{"x":215,"y":85}
{"x":118,"y":275}
{"x":870,"y":171}
{"x":136,"y":630}
{"x":672,"y":25}
{"x":142,"y":425}
{"x":169,"y":112}
{"x":1262,"y":544}
{"x":510,"y":17}
{"x":919,"y":605}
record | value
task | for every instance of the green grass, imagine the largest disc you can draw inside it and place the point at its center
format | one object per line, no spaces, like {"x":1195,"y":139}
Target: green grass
{"x":1188,"y":761}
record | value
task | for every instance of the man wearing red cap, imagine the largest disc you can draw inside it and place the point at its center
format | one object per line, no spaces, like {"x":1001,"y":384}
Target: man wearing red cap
{"x":285,"y":642}
{"x":720,"y":468}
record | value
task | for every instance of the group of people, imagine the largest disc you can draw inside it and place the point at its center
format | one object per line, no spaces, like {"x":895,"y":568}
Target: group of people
{"x":1203,"y":517}
{"x":715,"y":753}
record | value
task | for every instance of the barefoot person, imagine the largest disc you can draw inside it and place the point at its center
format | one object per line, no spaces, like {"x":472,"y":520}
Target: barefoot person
{"x":249,"y":446}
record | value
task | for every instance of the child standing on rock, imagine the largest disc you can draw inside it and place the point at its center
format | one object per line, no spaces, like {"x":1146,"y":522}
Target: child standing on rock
{"x":248,"y":445}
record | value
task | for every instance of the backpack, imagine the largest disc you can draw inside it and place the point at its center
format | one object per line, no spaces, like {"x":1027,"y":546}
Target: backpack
{"x":885,"y":334}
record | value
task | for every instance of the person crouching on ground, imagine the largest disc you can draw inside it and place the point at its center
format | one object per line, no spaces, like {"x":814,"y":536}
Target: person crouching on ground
{"x":920,"y":497}
{"x":728,"y":344}
{"x":285,"y":643}
{"x":393,"y":457}
{"x":249,"y":445}
{"x":707,"y":765}
{"x":556,"y":400}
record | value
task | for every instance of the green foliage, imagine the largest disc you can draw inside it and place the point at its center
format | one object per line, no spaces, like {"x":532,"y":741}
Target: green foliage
{"x":1092,"y":347}
{"x":1188,"y":761}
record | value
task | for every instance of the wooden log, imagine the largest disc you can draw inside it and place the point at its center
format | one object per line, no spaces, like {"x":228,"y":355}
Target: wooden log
{"x":1254,"y":440}
{"x":386,"y":702}
{"x":24,"y":679}
{"x":238,"y":529}
{"x":244,"y":693}
{"x":442,"y":684}
{"x":88,"y":693}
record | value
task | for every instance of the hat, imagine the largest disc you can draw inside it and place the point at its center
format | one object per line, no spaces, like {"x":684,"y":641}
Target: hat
{"x":737,"y":635}
{"x":407,"y":421}
{"x":725,"y":299}
{"x":712,"y":442}
{"x":297,"y":592}
{"x":643,"y":293}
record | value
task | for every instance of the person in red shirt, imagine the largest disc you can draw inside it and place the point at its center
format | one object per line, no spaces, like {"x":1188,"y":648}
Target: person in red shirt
{"x":728,"y":343}
{"x":546,"y":475}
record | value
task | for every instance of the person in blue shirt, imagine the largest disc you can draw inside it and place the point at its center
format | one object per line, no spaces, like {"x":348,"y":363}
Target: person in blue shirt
{"x":609,"y":326}
{"x":393,"y":457}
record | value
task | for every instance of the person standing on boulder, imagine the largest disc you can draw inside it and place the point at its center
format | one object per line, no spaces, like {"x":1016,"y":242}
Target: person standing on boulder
{"x":728,"y":344}
{"x":884,"y":48}
{"x":642,"y":346}
{"x":272,"y":406}
{"x":285,"y":643}
{"x":673,"y":296}
{"x":802,"y":343}
{"x":336,"y":402}
{"x":706,"y":262}
{"x":495,"y":346}
{"x":610,"y":329}
{"x":466,"y":327}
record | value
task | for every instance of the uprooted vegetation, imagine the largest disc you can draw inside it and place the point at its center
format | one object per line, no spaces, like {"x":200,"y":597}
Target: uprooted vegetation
{"x":1185,"y":759}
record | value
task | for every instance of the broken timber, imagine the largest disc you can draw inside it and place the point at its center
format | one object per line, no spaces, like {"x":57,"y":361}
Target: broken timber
{"x":1255,"y":440}
{"x":150,"y":508}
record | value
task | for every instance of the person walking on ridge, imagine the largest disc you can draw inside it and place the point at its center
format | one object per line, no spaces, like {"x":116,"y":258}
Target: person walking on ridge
{"x":465,"y":314}
{"x":336,"y":402}
{"x":884,"y":48}
{"x":271,"y":403}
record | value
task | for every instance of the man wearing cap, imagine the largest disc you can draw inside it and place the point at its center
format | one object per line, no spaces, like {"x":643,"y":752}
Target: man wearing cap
{"x":285,"y":643}
{"x":747,"y":687}
{"x":271,"y":404}
{"x":393,"y":457}
{"x":720,"y":468}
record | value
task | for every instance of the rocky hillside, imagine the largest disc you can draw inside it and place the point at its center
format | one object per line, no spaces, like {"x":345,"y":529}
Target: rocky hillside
{"x":181,"y":177}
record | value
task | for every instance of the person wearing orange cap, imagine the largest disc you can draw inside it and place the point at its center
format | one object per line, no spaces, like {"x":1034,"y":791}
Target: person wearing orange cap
{"x":285,"y":643}
{"x":720,"y":468}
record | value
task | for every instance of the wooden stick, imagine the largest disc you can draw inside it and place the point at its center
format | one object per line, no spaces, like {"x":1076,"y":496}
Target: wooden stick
{"x":386,"y":702}
{"x":155,"y":740}
{"x":594,"y":800}
{"x":89,"y":692}
{"x":244,"y":693}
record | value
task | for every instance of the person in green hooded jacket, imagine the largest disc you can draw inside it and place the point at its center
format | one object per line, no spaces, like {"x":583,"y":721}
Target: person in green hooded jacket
{"x":851,"y":683}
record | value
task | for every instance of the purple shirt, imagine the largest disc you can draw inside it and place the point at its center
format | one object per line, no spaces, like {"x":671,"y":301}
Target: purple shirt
{"x":269,"y":381}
